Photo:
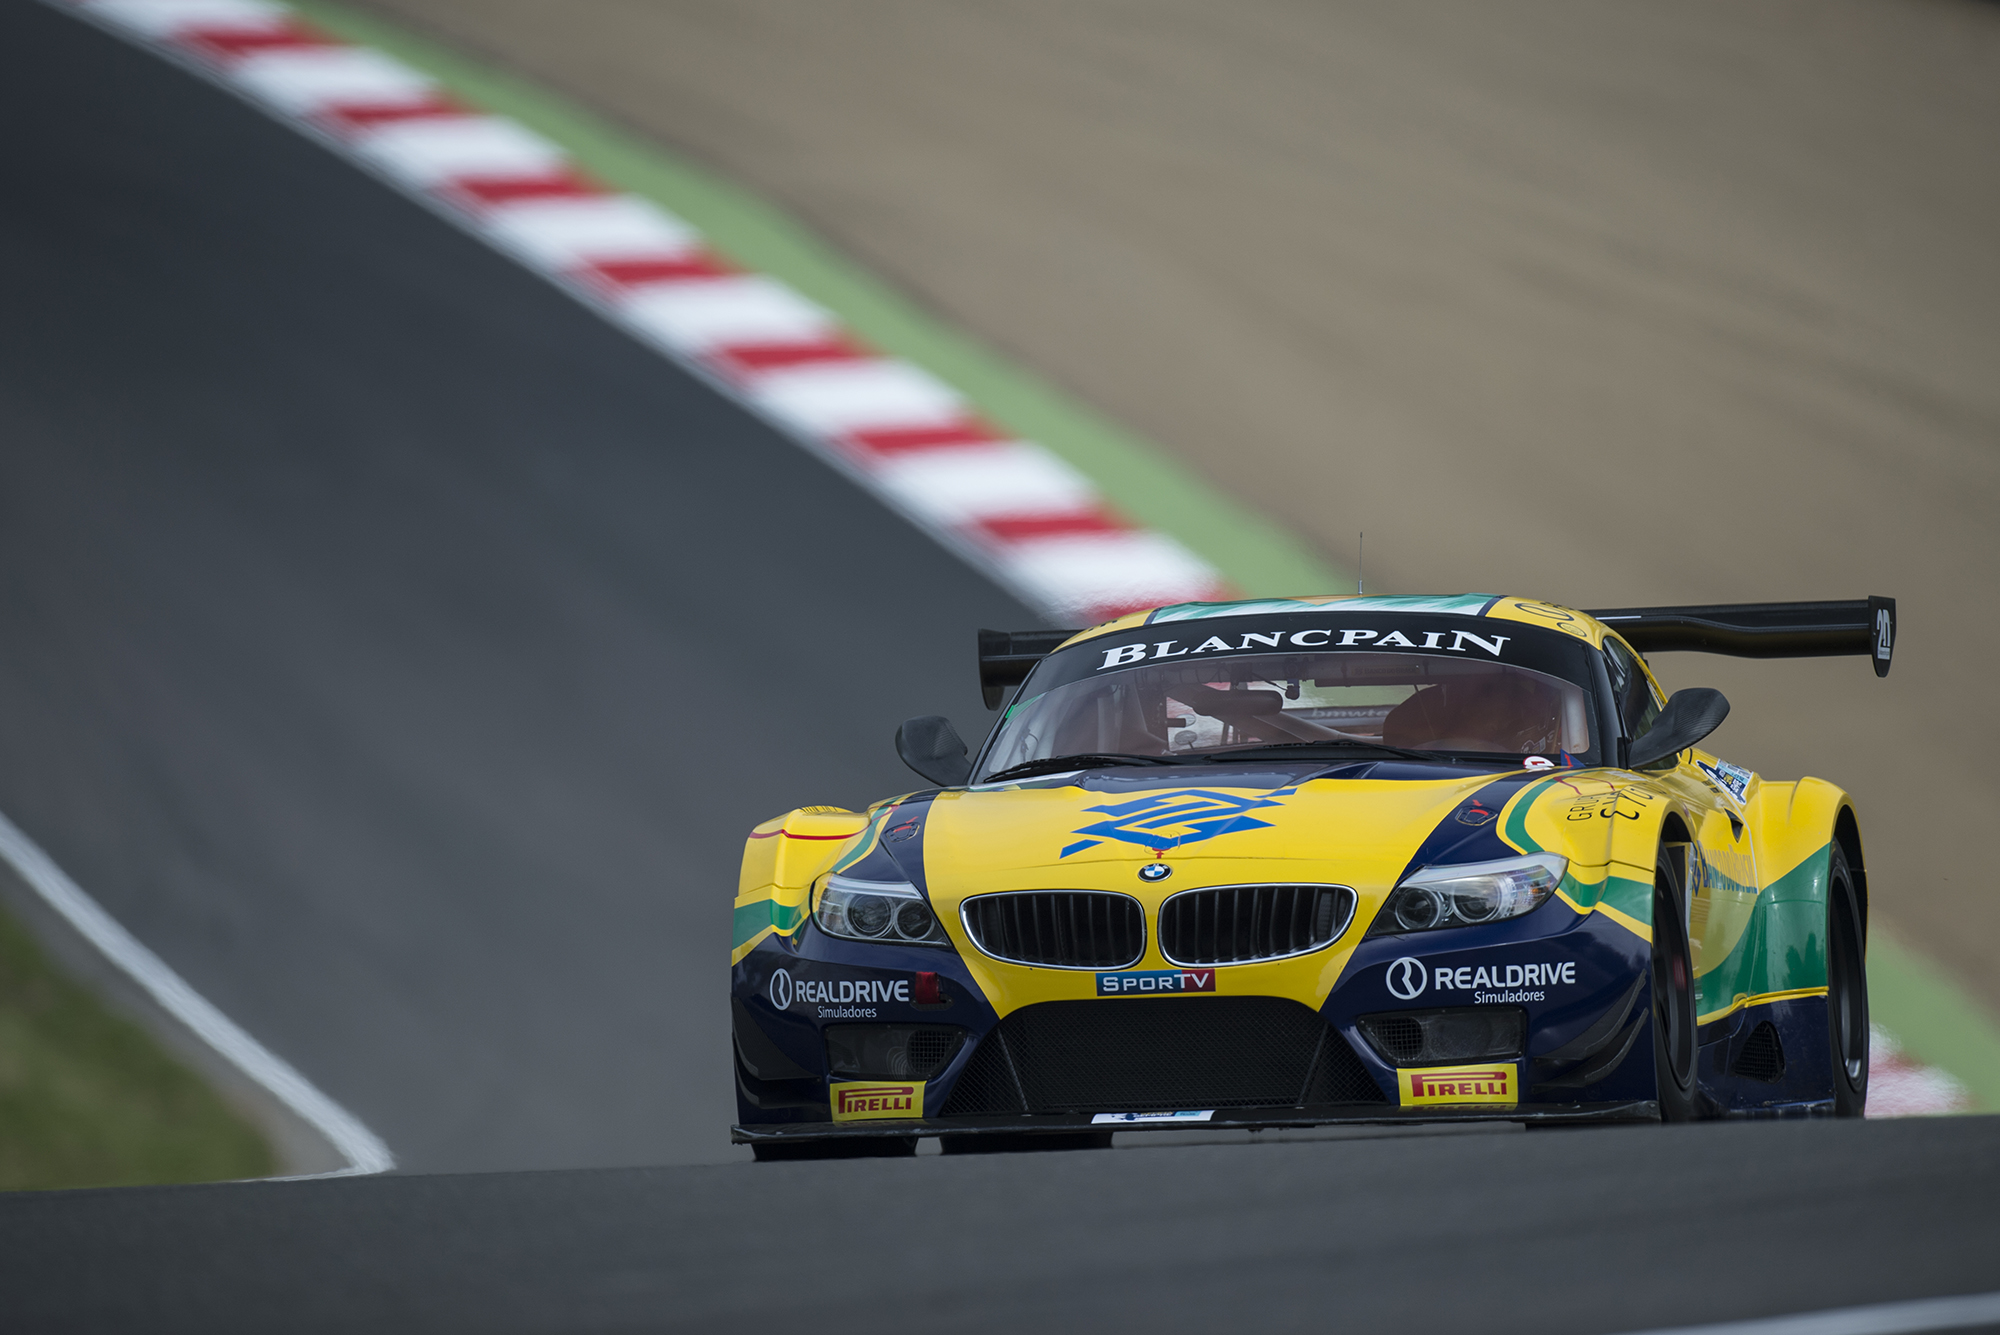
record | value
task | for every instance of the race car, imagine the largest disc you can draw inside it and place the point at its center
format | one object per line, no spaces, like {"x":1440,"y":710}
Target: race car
{"x":1288,"y":862}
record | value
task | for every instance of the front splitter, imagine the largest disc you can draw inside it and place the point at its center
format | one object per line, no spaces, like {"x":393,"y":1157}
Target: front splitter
{"x":1228,"y":1119}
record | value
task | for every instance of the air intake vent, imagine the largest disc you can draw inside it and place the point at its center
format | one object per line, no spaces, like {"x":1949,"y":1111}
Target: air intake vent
{"x":890,"y":1051}
{"x":1159,"y":1053}
{"x":1763,"y":1056}
{"x":1063,"y":929}
{"x":1400,"y":1038}
{"x":1238,"y":923}
{"x":1461,"y":1034}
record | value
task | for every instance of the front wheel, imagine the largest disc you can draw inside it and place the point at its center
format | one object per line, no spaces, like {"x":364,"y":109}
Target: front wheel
{"x":1673,"y":994}
{"x":1846,"y":990}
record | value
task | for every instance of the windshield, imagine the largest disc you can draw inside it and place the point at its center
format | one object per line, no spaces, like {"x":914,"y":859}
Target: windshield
{"x":1157,"y":699}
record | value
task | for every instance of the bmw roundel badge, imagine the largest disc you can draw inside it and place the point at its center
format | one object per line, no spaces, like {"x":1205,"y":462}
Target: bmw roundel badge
{"x":1155,"y":871}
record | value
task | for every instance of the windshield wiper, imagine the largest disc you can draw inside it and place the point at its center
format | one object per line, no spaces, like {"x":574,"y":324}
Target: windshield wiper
{"x":1234,"y":751}
{"x":1088,"y":760}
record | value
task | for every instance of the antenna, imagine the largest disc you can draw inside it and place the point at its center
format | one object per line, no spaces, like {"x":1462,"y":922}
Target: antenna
{"x":1360,"y":562}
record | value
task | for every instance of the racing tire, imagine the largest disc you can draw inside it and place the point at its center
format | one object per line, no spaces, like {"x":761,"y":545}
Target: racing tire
{"x":852,"y":1147}
{"x":1027,"y":1143}
{"x":1675,"y":1042}
{"x":1846,"y":990}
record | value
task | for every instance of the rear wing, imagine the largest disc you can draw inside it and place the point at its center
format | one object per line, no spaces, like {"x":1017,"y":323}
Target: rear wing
{"x":1763,"y":630}
{"x":1005,"y":658}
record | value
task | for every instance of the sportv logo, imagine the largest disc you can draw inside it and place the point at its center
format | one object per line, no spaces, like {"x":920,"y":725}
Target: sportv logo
{"x":875,"y":1100}
{"x":1155,"y":981}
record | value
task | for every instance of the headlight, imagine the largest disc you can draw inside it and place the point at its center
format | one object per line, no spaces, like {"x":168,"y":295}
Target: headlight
{"x":878,"y":911}
{"x":1472,"y":893}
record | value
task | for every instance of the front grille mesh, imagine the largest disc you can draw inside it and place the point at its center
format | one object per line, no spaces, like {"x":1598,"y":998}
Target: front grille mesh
{"x":1132,"y":1055}
{"x":1237,"y":923}
{"x":1077,"y":929}
{"x":931,"y":1046}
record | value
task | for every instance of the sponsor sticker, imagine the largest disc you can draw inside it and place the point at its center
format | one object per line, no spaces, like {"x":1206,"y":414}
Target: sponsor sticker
{"x":1409,"y":978}
{"x":1488,"y":1082}
{"x":1318,"y":637}
{"x":1538,"y":763}
{"x":1148,"y":982}
{"x":1733,"y":779}
{"x":835,"y":999}
{"x":1108,"y":1119}
{"x":877,"y":1100}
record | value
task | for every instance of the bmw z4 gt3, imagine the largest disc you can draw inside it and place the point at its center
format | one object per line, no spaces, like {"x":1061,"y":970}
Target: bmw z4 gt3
{"x":1289,"y":862}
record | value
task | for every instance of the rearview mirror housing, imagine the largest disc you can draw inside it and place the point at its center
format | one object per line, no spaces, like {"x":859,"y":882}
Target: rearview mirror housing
{"x":932,"y":747}
{"x":1690,"y":715}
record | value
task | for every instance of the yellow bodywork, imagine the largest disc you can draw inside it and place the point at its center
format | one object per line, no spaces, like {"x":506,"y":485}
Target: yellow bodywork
{"x":1763,"y":853}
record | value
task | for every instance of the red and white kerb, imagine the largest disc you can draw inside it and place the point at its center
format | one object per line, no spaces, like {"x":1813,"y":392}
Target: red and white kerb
{"x":1013,"y":508}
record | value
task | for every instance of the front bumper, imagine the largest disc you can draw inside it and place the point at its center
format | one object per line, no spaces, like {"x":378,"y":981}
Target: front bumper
{"x":1063,"y":1062}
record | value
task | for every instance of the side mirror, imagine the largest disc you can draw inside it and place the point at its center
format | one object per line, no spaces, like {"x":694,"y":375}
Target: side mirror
{"x":1689,"y":716}
{"x":932,"y":747}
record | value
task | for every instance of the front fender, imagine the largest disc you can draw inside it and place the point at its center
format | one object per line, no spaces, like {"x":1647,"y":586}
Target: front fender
{"x":1607,"y":823}
{"x":781,"y":859}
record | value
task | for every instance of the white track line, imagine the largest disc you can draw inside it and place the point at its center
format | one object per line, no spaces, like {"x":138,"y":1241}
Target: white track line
{"x":364,"y":1151}
{"x":1925,"y":1314}
{"x":1922,"y":1314}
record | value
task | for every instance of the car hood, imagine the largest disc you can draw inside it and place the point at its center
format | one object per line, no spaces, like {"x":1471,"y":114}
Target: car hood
{"x":1100,"y":827}
{"x":1285,"y":825}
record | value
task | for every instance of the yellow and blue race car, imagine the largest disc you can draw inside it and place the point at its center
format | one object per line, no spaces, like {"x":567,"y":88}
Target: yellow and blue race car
{"x":1288,"y":862}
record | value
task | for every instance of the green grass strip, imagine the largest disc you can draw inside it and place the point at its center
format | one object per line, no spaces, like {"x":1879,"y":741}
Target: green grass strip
{"x":1930,"y":1015}
{"x":88,"y":1099}
{"x":1934,"y":1018}
{"x":1137,"y":477}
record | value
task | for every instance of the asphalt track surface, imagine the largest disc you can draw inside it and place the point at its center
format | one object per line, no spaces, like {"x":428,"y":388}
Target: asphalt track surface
{"x":1578,"y":1232}
{"x":396,"y":649}
{"x":1612,"y":302}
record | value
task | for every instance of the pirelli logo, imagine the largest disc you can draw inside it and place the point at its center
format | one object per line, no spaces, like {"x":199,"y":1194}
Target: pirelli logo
{"x":1490,"y":1082}
{"x":877,"y":1100}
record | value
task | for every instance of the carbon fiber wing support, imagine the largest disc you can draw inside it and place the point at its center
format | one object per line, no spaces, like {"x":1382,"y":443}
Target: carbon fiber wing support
{"x":1005,"y":658}
{"x":1861,"y":626}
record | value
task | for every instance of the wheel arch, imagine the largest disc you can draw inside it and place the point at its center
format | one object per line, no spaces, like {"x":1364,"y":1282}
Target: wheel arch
{"x":1674,"y":829}
{"x":1645,"y":820}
